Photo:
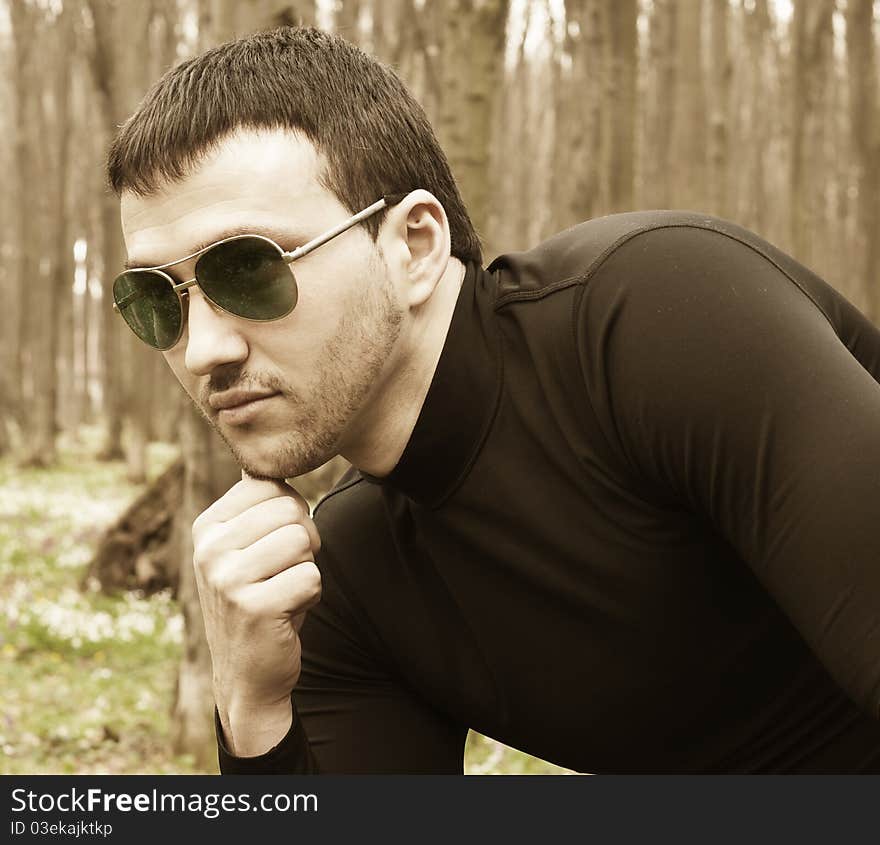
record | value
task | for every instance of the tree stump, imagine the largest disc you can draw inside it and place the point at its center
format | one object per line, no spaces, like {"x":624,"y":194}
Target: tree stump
{"x":137,"y":551}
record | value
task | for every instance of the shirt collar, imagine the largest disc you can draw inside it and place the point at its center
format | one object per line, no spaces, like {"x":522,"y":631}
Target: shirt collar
{"x":461,"y":400}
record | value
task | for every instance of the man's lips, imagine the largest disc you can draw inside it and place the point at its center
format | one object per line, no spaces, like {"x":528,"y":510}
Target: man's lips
{"x":235,"y":397}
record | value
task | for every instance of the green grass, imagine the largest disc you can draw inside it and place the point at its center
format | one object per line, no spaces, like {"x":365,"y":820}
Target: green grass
{"x":87,"y":680}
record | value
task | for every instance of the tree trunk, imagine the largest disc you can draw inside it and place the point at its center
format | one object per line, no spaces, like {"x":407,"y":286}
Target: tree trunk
{"x":660,"y":106}
{"x":472,"y":59}
{"x":118,"y":82}
{"x":754,"y":137}
{"x":810,"y":48}
{"x":719,"y":117}
{"x":51,"y":298}
{"x":111,"y":332}
{"x":12,"y":398}
{"x":688,"y":151}
{"x":28,"y":242}
{"x":865,"y":126}
{"x":223,"y":20}
{"x":619,"y":105}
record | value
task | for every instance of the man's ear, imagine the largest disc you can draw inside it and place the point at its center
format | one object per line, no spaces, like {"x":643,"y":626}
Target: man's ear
{"x":421,"y":243}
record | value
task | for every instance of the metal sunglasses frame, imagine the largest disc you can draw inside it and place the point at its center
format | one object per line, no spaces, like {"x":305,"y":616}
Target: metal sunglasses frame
{"x":180,"y":288}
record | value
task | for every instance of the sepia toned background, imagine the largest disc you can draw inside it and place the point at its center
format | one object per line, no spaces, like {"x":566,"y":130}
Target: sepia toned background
{"x":551,"y":112}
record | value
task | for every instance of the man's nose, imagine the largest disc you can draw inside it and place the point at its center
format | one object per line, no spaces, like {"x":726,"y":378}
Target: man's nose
{"x":212,"y":338}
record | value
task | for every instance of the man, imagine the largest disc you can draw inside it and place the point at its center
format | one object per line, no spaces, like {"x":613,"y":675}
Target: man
{"x":614,"y":500}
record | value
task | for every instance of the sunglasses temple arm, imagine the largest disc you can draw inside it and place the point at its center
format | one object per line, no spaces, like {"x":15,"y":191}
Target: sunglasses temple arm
{"x":305,"y":249}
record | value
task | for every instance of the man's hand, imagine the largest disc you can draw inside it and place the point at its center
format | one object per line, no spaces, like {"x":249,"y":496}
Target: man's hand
{"x":254,"y":557}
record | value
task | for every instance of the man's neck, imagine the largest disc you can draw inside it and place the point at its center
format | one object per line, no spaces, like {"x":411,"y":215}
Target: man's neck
{"x":384,"y":425}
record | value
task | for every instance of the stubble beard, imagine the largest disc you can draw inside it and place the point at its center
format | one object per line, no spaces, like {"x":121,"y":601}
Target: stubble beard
{"x":350,"y":366}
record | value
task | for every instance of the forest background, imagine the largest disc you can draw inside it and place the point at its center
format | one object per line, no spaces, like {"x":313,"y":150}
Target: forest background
{"x":764,"y":112}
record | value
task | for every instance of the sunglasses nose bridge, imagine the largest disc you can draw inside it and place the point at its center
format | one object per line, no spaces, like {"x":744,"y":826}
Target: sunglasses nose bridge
{"x":182,"y":287}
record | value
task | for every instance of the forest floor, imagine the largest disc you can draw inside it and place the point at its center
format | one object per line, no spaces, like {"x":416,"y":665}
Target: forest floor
{"x":87,"y":680}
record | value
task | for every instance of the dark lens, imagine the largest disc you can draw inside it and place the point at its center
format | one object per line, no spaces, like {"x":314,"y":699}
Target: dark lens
{"x":248,"y":277}
{"x":150,"y":307}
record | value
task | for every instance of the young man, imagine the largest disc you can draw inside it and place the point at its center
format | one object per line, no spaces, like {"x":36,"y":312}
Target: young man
{"x":615,"y":500}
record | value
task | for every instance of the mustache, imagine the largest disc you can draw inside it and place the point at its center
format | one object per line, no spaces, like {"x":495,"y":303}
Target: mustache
{"x":226,"y":380}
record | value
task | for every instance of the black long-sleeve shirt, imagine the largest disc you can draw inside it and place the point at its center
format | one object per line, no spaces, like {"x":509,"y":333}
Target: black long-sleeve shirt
{"x":636,"y":527}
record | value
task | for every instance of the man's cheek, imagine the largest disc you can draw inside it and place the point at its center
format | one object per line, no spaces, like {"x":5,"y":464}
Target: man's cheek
{"x":174,"y":359}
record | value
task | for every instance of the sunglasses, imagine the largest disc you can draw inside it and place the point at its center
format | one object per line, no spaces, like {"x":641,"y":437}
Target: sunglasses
{"x":247,"y":276}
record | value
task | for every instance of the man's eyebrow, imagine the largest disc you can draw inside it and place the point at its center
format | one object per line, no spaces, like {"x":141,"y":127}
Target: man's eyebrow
{"x":285,"y":238}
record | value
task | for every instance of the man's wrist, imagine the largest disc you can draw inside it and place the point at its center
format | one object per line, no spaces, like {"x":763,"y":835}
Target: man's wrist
{"x":251,"y":729}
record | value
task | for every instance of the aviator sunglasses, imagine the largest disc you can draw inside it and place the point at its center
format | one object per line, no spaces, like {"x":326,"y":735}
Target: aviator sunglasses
{"x":245,"y":275}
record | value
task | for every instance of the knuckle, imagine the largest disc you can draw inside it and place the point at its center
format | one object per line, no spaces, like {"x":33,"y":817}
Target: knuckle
{"x":242,"y":602}
{"x":298,"y":536}
{"x":311,"y":579}
{"x":221,"y":580}
{"x":200,"y":559}
{"x":205,"y":547}
{"x":290,"y":509}
{"x":201,"y":522}
{"x":217,"y":581}
{"x":195,"y":530}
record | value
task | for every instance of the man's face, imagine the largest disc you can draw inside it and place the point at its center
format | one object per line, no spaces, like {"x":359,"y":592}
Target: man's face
{"x":323,"y":361}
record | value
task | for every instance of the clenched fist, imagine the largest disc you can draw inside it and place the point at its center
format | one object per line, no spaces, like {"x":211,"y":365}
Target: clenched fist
{"x":254,"y":557}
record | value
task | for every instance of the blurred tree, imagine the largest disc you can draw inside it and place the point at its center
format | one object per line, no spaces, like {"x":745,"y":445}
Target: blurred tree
{"x":657,"y":188}
{"x":687,"y":162}
{"x":865,"y":123}
{"x":45,"y":266}
{"x":754,"y":130}
{"x":577,"y":107}
{"x":618,"y":105}
{"x":720,"y":78}
{"x":221,"y":20}
{"x":810,"y":53}
{"x":119,"y":81}
{"x":57,"y":312}
{"x":472,"y":54}
{"x":24,"y":179}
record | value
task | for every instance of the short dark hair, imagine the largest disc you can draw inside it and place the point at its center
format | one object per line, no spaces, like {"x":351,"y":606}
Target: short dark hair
{"x":357,"y":112}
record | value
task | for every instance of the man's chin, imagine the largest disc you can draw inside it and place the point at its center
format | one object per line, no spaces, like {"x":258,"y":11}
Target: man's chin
{"x":272,"y":461}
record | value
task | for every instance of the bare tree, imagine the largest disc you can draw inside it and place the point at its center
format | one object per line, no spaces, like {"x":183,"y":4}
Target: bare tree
{"x":810,"y":52}
{"x":865,"y":127}
{"x":660,"y":97}
{"x":755,"y":99}
{"x":721,"y":74}
{"x":578,"y":108}
{"x":222,"y":20}
{"x":472,"y":56}
{"x":118,"y":76}
{"x":687,"y":154}
{"x":619,"y":105}
{"x":25,"y":176}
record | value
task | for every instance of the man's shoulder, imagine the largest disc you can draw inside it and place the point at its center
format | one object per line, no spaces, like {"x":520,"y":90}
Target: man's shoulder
{"x":350,"y":494}
{"x":571,"y":256}
{"x":352,"y":516}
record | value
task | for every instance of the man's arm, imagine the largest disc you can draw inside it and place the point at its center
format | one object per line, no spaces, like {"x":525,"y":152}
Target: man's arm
{"x":726,"y":390}
{"x":351,"y":713}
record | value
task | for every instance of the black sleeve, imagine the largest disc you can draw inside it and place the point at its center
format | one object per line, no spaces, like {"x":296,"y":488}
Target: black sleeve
{"x":352,"y":715}
{"x":727,"y":386}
